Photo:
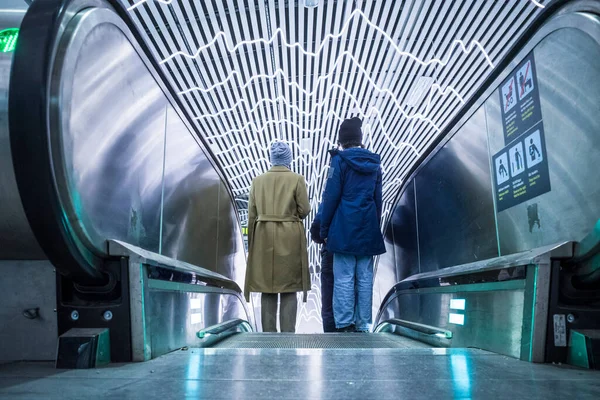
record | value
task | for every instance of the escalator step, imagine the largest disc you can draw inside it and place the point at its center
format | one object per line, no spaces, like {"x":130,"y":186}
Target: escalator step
{"x":318,"y":341}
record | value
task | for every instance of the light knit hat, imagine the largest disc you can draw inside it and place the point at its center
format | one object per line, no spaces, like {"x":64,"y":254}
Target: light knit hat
{"x":281,"y":154}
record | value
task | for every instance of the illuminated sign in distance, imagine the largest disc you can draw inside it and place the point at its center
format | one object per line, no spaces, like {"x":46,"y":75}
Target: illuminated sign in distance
{"x":8,"y":40}
{"x":457,"y":304}
{"x":457,"y":319}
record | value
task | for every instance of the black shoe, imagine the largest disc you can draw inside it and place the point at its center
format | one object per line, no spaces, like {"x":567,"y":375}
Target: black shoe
{"x":349,"y":328}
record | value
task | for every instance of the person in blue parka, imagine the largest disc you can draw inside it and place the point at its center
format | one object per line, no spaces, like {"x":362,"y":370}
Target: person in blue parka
{"x":350,"y":218}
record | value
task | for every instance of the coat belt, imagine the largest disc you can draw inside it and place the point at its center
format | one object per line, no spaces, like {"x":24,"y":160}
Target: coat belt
{"x":302,"y":243}
{"x":277,"y":218}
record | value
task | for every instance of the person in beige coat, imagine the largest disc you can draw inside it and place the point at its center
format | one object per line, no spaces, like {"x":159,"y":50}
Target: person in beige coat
{"x":277,"y":251}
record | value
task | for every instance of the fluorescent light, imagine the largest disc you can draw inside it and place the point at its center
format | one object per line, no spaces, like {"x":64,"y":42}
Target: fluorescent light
{"x":195,"y":304}
{"x":457,"y":304}
{"x":305,"y":144}
{"x":279,"y":31}
{"x":196,"y":318}
{"x":457,"y":319}
{"x":311,"y":3}
{"x":5,"y":10}
{"x":422,"y":86}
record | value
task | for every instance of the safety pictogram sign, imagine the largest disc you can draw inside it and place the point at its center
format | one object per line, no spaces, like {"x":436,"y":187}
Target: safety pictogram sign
{"x":509,"y":98}
{"x":517,"y":159}
{"x":521,"y":167}
{"x":525,"y":79}
{"x":520,"y":101}
{"x":521,"y":170}
{"x":501,"y":163}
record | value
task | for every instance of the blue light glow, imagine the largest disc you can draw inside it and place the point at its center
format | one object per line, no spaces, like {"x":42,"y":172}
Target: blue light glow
{"x":457,"y":304}
{"x":457,"y":319}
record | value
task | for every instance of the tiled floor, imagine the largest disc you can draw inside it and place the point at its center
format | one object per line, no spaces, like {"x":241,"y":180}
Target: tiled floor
{"x":269,"y":373}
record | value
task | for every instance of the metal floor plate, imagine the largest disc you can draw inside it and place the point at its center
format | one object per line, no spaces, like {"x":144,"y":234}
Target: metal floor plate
{"x":319,"y":341}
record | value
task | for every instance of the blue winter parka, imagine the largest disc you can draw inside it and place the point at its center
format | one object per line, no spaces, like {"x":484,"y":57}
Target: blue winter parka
{"x":352,"y":201}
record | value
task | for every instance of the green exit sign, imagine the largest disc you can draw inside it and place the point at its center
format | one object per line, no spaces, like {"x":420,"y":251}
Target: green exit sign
{"x":8,"y":40}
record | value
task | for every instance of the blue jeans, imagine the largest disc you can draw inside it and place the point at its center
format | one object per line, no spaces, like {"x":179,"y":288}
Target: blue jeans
{"x":352,"y":291}
{"x":327,"y":291}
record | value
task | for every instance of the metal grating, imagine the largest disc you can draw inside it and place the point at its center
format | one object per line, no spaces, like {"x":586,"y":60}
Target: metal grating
{"x":256,"y":71}
{"x":319,"y":341}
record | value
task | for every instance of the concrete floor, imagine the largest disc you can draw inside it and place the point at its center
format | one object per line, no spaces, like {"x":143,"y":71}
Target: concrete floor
{"x":306,"y":374}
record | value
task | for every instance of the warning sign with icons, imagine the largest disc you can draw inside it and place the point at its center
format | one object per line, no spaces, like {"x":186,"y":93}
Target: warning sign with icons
{"x":501,"y":163}
{"x":521,"y":170}
{"x":522,"y":165}
{"x":517,"y":159}
{"x":534,"y":146}
{"x":509,"y":98}
{"x":525,"y":79}
{"x":520,"y":100}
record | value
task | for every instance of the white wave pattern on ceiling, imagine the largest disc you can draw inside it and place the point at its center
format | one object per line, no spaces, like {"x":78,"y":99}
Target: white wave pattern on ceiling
{"x":255,"y":71}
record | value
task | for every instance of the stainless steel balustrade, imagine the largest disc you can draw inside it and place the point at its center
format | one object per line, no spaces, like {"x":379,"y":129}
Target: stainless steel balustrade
{"x":170,"y":301}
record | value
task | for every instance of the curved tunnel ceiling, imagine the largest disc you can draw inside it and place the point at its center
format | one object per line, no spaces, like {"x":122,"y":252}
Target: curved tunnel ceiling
{"x":255,"y":71}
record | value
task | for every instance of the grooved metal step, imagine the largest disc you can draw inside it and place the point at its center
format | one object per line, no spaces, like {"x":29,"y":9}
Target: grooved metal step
{"x":318,"y":341}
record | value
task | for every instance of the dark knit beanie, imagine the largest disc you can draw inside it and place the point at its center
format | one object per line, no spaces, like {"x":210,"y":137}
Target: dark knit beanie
{"x":350,"y":132}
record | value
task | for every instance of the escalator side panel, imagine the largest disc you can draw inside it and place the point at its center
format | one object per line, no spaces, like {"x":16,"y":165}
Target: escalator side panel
{"x":29,"y":134}
{"x":103,"y":151}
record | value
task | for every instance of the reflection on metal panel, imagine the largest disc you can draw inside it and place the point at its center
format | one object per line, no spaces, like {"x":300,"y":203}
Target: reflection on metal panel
{"x":112,"y":136}
{"x":171,"y":300}
{"x":457,"y":222}
{"x":455,"y":208}
{"x":133,"y":170}
{"x":16,"y":236}
{"x":173,"y":317}
{"x":232,"y":251}
{"x":191,"y":195}
{"x":404,"y":231}
{"x":385,"y":275}
{"x":568,"y":71}
{"x":492,"y":319}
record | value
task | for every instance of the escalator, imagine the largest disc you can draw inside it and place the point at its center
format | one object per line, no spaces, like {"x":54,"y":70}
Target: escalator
{"x":319,"y":341}
{"x":125,"y":199}
{"x":105,"y":178}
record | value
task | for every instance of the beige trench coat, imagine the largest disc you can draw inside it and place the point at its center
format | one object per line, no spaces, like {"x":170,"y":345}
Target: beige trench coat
{"x":277,"y":253}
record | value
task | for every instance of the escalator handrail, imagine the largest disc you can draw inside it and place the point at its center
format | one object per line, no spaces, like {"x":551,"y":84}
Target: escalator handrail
{"x":586,"y":261}
{"x":119,"y":248}
{"x":561,"y":249}
{"x":224,"y":327}
{"x":588,"y":246}
{"x":421,"y":328}
{"x":216,"y":333}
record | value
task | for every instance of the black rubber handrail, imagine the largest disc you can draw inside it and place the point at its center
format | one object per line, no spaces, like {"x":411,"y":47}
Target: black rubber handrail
{"x":585,"y":265}
{"x":421,"y":328}
{"x":218,"y":332}
{"x":587,"y":256}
